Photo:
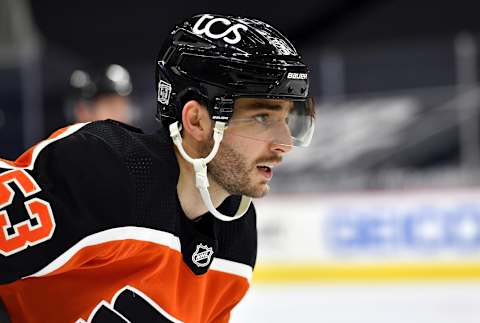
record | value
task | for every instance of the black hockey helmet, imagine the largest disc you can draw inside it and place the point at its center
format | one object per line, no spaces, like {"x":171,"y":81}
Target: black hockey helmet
{"x":216,"y":59}
{"x":94,"y":81}
{"x":87,"y":84}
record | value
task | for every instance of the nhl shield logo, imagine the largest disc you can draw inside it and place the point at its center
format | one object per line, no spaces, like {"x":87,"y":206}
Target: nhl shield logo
{"x":202,"y":255}
{"x":164,"y":90}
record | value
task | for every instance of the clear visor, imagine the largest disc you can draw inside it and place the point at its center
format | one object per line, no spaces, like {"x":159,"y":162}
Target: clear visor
{"x":287,"y":122}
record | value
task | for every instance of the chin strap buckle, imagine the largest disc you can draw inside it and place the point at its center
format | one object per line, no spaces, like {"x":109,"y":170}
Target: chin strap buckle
{"x":201,"y":178}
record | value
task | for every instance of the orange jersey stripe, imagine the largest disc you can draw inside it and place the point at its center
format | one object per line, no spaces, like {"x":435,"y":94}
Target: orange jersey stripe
{"x":96,"y":273}
{"x":25,"y":159}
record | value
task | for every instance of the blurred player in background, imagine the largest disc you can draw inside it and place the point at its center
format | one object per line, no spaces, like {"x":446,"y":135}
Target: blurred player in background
{"x":108,"y":224}
{"x":99,"y":94}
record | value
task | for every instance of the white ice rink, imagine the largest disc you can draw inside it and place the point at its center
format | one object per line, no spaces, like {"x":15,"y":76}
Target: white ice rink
{"x":444,"y":302}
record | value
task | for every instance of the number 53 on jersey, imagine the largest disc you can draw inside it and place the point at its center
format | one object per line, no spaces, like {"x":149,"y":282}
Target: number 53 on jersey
{"x":40,"y":225}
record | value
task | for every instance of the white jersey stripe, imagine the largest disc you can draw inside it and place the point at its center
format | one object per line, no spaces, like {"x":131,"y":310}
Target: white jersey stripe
{"x":36,"y":151}
{"x":140,"y":234}
{"x":115,"y":234}
{"x":231,"y":267}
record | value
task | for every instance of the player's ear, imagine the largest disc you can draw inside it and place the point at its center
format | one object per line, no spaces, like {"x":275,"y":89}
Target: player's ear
{"x":196,"y":121}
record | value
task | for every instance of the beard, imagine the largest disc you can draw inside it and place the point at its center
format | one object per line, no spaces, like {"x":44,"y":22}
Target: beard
{"x":231,"y":170}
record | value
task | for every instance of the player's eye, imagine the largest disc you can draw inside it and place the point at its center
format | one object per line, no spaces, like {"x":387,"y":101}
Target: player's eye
{"x":264,"y":119}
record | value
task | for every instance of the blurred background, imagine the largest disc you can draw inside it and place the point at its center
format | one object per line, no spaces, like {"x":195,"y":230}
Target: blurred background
{"x":379,"y":220}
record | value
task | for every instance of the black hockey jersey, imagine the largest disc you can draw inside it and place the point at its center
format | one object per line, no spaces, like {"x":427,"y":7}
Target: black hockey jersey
{"x":92,"y":231}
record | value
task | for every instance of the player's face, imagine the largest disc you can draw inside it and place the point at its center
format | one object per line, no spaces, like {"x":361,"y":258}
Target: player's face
{"x":112,"y":107}
{"x":246,"y":158}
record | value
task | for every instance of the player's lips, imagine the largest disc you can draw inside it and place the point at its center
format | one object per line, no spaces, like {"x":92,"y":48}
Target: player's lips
{"x":266,"y":170}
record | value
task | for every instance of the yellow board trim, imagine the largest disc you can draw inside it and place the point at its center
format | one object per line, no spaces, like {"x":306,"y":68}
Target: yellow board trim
{"x":297,"y":273}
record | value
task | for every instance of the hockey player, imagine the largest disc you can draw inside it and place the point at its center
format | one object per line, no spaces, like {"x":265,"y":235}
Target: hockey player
{"x":102,"y":223}
{"x":99,"y":93}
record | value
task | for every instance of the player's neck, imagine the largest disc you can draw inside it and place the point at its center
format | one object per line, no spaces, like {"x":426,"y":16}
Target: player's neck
{"x":189,"y":196}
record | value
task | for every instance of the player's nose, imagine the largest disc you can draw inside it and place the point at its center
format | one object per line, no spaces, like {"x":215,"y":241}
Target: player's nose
{"x":282,"y":142}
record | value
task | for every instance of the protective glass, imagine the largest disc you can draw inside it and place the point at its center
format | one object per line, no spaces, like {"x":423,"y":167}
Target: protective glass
{"x":284,"y":122}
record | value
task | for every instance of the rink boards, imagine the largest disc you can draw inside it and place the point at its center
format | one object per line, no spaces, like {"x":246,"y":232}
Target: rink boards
{"x":384,"y":236}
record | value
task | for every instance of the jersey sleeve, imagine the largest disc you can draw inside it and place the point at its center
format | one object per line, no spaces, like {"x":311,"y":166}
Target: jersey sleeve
{"x":65,"y":190}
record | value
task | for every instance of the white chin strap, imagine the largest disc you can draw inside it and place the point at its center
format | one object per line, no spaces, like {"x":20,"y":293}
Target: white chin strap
{"x":200,"y":167}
